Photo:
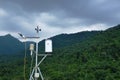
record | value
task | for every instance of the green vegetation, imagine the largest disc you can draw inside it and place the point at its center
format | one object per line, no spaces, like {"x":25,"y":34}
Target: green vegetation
{"x":11,"y":67}
{"x":94,"y":58}
{"x":10,"y":45}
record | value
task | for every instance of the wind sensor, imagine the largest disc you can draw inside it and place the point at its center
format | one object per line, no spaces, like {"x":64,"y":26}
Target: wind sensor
{"x":36,"y":72}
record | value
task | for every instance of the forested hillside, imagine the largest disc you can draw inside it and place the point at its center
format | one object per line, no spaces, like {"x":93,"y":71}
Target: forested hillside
{"x":10,"y":45}
{"x":92,"y":58}
{"x":64,"y":40}
{"x":97,"y":58}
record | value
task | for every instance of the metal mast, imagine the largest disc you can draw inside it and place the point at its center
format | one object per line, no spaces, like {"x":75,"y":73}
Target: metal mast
{"x":36,"y":72}
{"x":36,"y":61}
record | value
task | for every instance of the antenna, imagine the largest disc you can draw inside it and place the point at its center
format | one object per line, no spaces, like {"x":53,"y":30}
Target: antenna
{"x":36,"y":72}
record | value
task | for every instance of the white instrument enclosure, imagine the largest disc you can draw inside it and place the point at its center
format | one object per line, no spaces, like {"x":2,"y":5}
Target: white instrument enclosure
{"x":48,"y":46}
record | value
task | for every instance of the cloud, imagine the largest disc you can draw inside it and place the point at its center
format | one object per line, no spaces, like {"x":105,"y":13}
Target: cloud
{"x":3,"y":13}
{"x":57,"y":16}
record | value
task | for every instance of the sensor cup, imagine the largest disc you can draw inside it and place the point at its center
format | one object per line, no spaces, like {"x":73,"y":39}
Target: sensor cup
{"x":31,"y":48}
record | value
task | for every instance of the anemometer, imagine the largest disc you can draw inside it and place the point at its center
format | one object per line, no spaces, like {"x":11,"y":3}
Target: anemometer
{"x":35,"y":73}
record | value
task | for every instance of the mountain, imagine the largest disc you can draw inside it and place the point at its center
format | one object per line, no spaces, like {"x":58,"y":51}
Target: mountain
{"x":13,"y":45}
{"x":96,"y":58}
{"x":10,"y":45}
{"x":64,"y":40}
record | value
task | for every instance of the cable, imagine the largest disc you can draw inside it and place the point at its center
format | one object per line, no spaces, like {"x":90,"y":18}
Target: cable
{"x":32,"y":56}
{"x":24,"y":73}
{"x":25,"y":59}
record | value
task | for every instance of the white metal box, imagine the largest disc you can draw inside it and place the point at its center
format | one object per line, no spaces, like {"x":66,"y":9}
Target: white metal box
{"x":36,"y":75}
{"x":48,"y":45}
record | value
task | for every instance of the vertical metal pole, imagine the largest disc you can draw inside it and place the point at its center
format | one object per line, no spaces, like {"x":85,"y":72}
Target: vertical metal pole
{"x":36,"y":57}
{"x":36,"y":61}
{"x":36,"y":67}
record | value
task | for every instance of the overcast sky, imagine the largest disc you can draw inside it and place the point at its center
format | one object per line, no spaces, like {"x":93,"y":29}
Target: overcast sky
{"x":57,"y":16}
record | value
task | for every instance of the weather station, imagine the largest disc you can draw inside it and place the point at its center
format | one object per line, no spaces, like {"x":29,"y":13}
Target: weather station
{"x":35,"y":72}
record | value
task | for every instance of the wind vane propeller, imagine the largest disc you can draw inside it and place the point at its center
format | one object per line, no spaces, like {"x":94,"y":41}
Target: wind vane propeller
{"x":37,"y":29}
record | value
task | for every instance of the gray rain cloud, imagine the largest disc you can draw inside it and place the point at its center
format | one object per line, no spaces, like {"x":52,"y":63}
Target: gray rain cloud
{"x":58,"y":16}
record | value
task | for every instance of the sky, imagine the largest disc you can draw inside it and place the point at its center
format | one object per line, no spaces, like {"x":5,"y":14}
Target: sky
{"x":57,"y":16}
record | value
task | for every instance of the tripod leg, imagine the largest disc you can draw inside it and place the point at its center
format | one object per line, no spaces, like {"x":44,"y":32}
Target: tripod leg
{"x":40,"y":74}
{"x":31,"y":76}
